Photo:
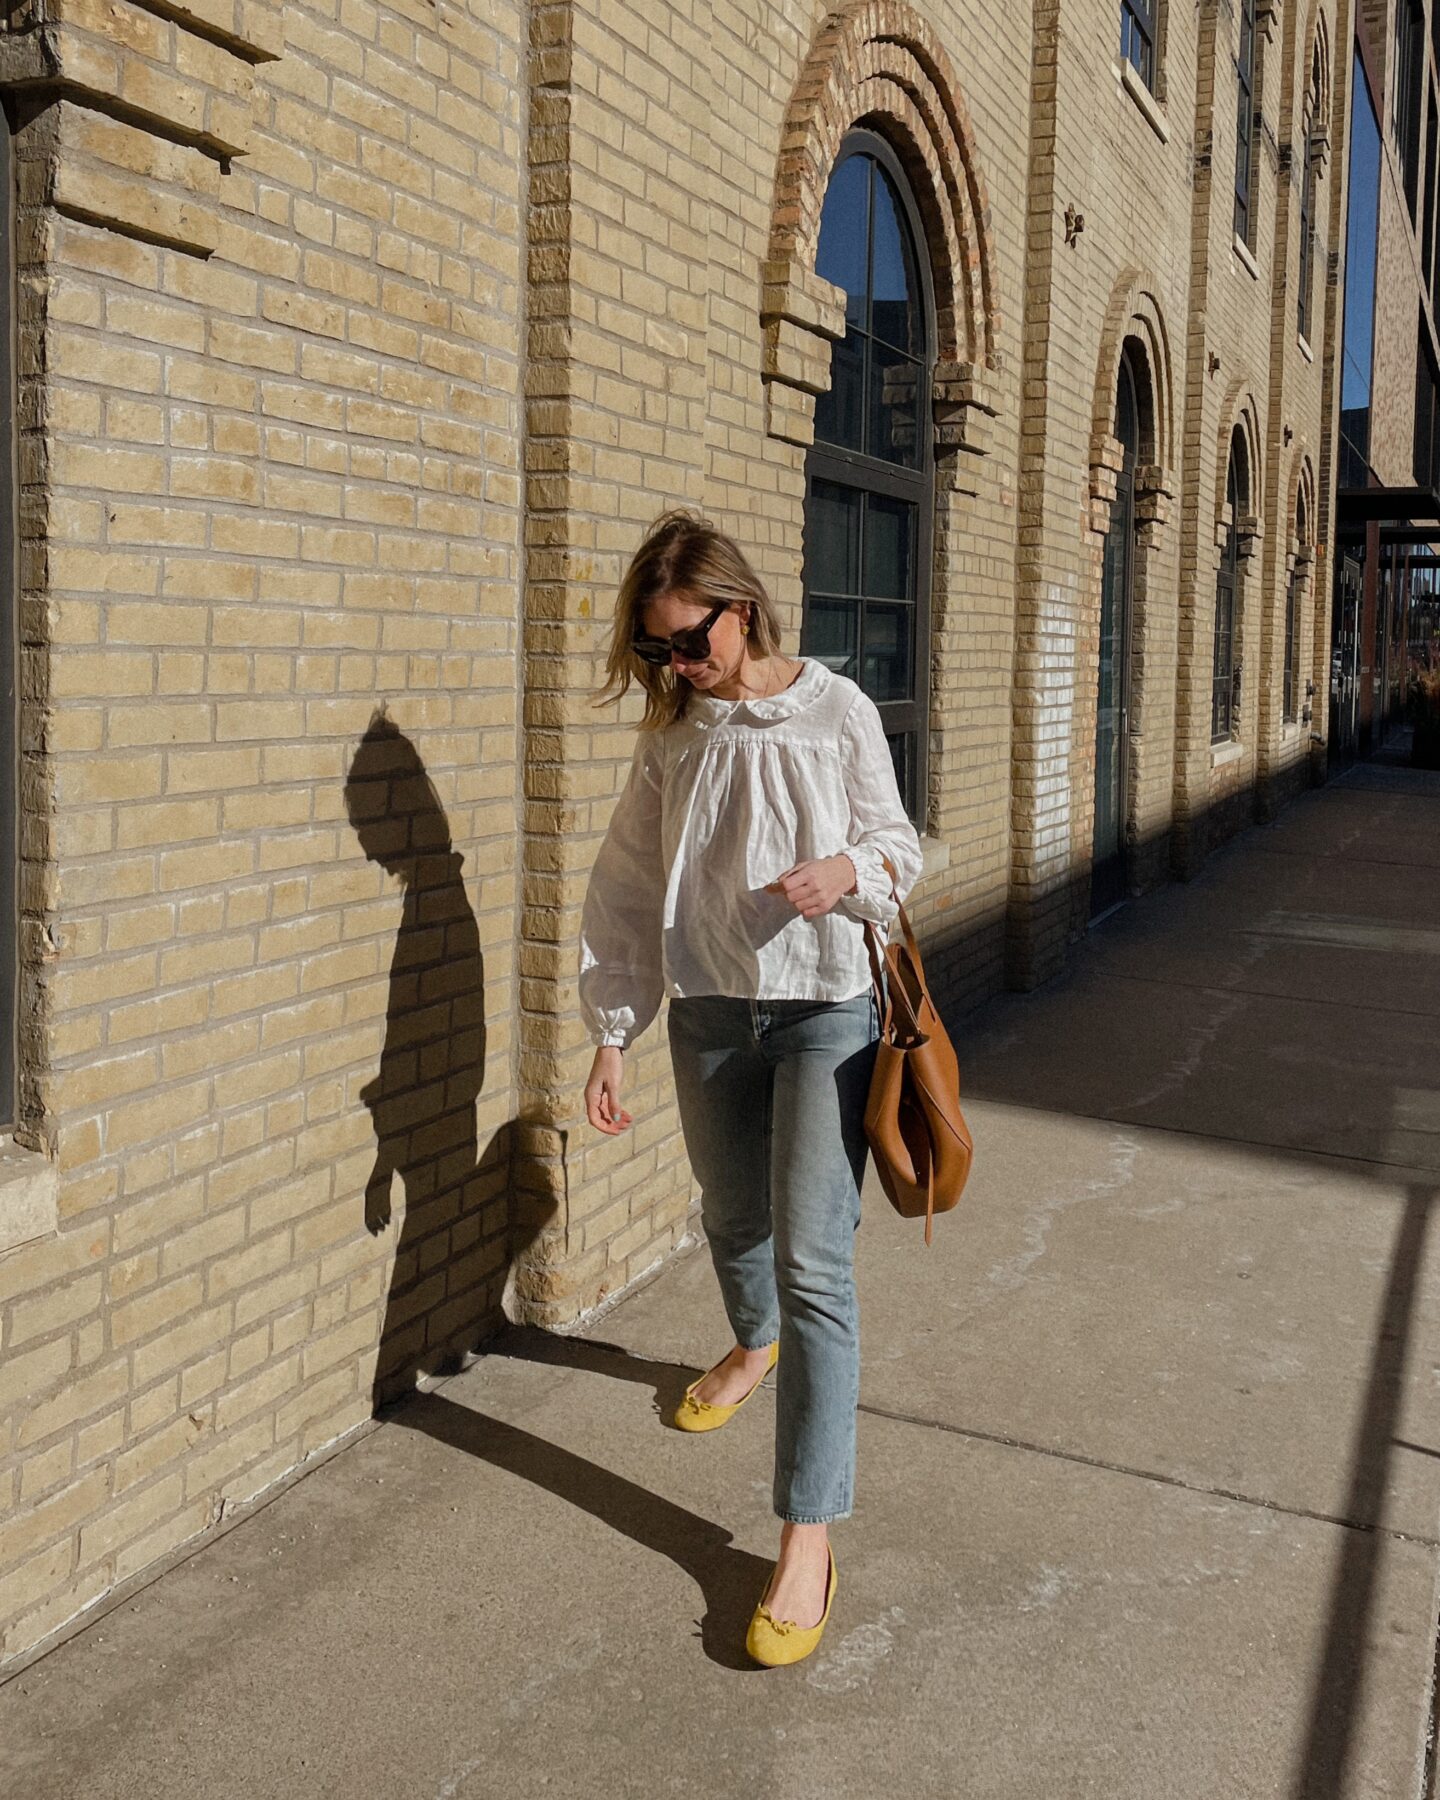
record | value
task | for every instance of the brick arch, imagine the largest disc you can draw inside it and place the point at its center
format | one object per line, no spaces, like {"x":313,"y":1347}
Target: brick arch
{"x":878,"y":63}
{"x":1295,"y":99}
{"x":1295,"y":561}
{"x":1301,"y":486}
{"x":1317,"y":37}
{"x":1134,"y":311}
{"x":1240,"y":409}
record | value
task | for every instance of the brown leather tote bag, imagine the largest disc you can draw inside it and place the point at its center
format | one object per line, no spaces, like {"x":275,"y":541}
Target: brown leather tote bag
{"x":918,"y":1135}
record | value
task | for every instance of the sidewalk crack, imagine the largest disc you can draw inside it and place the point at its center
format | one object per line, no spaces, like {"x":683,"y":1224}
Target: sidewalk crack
{"x":1006,"y":1441}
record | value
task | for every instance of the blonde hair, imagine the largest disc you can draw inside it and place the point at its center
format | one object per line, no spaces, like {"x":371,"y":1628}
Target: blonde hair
{"x":686,"y":555}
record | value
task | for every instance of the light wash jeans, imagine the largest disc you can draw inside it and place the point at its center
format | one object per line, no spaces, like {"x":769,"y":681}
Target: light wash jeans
{"x":772,"y":1104}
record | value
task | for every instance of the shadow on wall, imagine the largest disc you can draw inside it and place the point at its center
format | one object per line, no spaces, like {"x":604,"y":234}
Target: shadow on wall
{"x":456,"y":1240}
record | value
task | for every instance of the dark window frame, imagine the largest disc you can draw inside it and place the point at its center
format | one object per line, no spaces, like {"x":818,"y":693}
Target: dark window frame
{"x":9,"y":644}
{"x":1428,"y":209}
{"x":1109,"y":873}
{"x":1290,"y":699}
{"x":1245,"y":120}
{"x":1359,"y":275}
{"x":1426,"y":451}
{"x":1139,"y":38}
{"x":1310,"y":126}
{"x":909,"y":718}
{"x":1406,"y":101}
{"x":1224,"y":685}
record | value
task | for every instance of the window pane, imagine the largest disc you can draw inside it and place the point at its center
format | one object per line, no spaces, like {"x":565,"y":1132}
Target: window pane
{"x":1137,"y":37}
{"x":1361,"y":226}
{"x":888,"y":525}
{"x":894,"y":393}
{"x":838,"y":411}
{"x":840,"y":254}
{"x":9,"y":941}
{"x":832,"y":539}
{"x":894,"y":308}
{"x":832,"y":634}
{"x":889,"y":635}
{"x":1127,"y":413}
{"x":1222,"y":701}
{"x":902,"y":756}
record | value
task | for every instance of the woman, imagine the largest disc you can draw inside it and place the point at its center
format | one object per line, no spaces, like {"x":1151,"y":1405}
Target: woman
{"x":741,"y":862}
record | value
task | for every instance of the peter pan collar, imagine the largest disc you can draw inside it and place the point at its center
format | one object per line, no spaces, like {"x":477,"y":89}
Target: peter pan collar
{"x":802,"y":691}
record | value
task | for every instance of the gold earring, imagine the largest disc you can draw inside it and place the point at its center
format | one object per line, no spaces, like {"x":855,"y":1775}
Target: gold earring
{"x":744,"y":631}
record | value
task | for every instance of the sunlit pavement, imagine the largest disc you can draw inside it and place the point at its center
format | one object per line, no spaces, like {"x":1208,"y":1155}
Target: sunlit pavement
{"x":1149,"y":1468}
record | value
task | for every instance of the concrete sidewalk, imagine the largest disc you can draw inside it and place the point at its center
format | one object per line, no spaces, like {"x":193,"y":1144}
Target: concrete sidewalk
{"x":1149,"y":1488}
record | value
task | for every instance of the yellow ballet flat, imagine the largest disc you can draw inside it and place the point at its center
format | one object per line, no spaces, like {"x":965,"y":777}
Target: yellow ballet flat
{"x":694,"y":1414}
{"x":776,"y":1642}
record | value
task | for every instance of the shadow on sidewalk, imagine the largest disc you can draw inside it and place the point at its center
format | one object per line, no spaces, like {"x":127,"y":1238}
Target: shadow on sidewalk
{"x":1286,"y":999}
{"x":730,"y":1580}
{"x":1340,"y":1679}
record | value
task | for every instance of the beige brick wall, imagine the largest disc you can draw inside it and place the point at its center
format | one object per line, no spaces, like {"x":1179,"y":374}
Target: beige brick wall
{"x":1397,"y":322}
{"x":270,"y":430}
{"x":361,"y":344}
{"x":1125,"y":275}
{"x":1260,"y":379}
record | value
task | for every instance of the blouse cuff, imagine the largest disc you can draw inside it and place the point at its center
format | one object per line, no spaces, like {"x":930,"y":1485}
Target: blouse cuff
{"x":618,"y":1017}
{"x":613,"y":1026}
{"x":874,"y":898}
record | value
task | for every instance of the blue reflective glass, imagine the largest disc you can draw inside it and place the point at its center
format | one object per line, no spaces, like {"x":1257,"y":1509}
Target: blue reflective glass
{"x":1127,"y":416}
{"x":1360,"y":245}
{"x":895,"y":296}
{"x":844,"y":234}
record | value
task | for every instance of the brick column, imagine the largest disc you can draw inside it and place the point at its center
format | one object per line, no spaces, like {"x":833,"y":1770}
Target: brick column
{"x":619,"y":278}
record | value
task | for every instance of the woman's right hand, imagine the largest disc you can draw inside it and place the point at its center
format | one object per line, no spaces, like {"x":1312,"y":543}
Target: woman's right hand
{"x":602,"y":1092}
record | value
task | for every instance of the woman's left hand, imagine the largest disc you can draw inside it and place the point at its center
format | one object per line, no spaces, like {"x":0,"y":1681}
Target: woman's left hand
{"x":812,"y":888}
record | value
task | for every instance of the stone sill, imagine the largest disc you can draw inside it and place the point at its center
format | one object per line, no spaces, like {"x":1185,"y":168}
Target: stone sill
{"x":1222,"y":755}
{"x":27,"y":1195}
{"x":1304,"y":348}
{"x":1144,"y":99}
{"x":1246,"y":255}
{"x":935,"y":855}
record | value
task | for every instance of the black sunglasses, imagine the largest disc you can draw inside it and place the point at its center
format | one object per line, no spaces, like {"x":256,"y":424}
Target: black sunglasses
{"x":693,"y":644}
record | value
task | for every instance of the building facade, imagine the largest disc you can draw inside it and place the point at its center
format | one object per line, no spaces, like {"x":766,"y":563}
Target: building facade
{"x":1385,"y":607}
{"x":355,"y":346}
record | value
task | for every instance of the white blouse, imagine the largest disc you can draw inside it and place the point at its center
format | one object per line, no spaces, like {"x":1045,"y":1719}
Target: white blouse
{"x":718,"y":805}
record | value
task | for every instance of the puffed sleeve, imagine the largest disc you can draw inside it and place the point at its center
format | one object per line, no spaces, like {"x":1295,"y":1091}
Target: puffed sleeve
{"x":621,"y":977}
{"x":879,"y":824}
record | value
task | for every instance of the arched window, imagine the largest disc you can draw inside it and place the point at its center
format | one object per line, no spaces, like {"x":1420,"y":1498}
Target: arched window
{"x":1112,"y":704}
{"x":1310,"y":124}
{"x":1225,"y":688}
{"x":869,"y":478}
{"x":1292,"y":621}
